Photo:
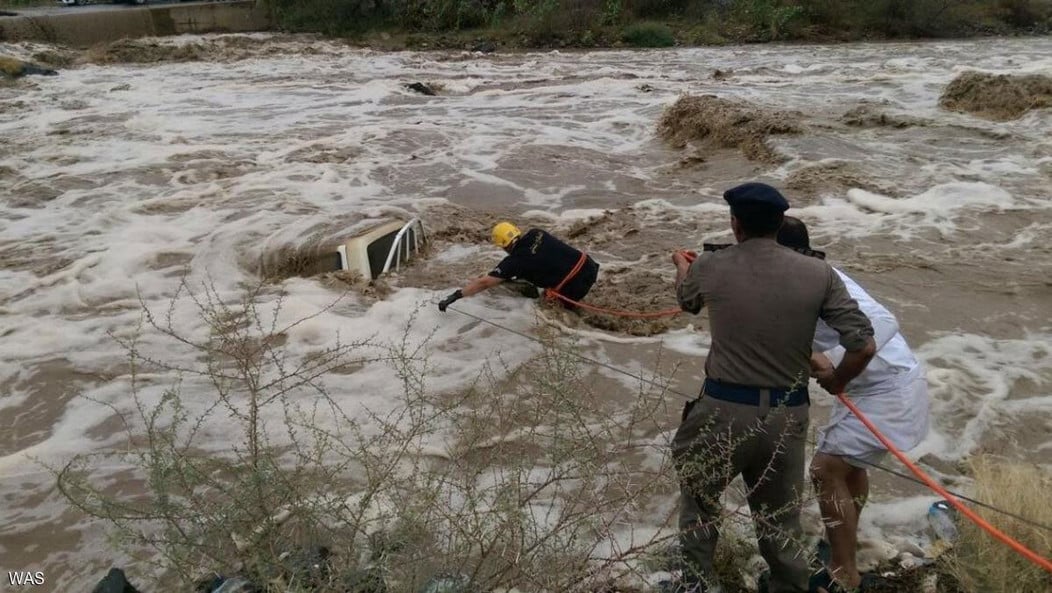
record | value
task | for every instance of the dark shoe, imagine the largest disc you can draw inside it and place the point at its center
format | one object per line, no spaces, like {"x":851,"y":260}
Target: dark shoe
{"x":822,"y":578}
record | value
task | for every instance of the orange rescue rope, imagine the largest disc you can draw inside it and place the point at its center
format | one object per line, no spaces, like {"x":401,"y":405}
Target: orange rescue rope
{"x":553,"y":294}
{"x":930,"y":483}
{"x":573,"y":272}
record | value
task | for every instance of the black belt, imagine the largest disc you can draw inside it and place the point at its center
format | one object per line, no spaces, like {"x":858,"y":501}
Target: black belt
{"x":743,"y":394}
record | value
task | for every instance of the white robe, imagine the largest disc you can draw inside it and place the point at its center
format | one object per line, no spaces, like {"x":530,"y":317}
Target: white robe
{"x":892,"y":392}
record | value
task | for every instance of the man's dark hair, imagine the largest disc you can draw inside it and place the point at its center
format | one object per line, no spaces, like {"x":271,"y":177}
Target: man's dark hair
{"x":757,"y":220}
{"x":794,"y":234}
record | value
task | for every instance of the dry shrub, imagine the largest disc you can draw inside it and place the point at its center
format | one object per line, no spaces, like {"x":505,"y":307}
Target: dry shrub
{"x":721,"y":123}
{"x":531,"y":477}
{"x":984,"y":564}
{"x":534,"y":479}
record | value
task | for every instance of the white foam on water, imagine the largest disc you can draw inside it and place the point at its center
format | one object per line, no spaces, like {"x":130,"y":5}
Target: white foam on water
{"x":688,"y":341}
{"x":973,"y":384}
{"x":457,"y":253}
{"x":936,"y":201}
{"x":862,"y":213}
{"x":569,"y":215}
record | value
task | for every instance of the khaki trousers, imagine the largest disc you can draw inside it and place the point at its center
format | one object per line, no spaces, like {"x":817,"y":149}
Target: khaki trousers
{"x":718,"y":440}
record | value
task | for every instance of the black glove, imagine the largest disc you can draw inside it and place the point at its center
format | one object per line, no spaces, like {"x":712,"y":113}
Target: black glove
{"x":449,"y":300}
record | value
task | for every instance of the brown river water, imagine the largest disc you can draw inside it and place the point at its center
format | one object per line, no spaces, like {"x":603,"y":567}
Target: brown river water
{"x":234,"y":158}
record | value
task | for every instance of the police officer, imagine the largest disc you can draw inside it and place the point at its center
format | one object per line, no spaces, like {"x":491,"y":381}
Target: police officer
{"x":536,"y":257}
{"x":751,"y":418}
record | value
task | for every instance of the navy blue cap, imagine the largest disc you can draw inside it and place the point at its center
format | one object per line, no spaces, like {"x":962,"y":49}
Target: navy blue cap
{"x":756,"y":193}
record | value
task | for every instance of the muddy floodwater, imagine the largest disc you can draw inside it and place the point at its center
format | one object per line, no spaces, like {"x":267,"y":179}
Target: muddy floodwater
{"x":229,"y":159}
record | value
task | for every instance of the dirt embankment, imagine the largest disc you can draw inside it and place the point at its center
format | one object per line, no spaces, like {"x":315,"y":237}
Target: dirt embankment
{"x":716,"y":123}
{"x":998,"y":97}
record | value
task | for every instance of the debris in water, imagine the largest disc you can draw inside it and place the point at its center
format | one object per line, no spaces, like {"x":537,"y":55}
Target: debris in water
{"x":17,"y":68}
{"x":422,"y":88}
{"x":485,"y":47}
{"x":867,"y":116}
{"x":225,"y":48}
{"x":639,"y":290}
{"x":691,"y":160}
{"x":999,"y":97}
{"x":611,"y":225}
{"x":135,"y":51}
{"x":370,"y":290}
{"x":320,"y":153}
{"x":831,"y":177}
{"x":56,"y":57}
{"x":721,"y":123}
{"x":309,"y":259}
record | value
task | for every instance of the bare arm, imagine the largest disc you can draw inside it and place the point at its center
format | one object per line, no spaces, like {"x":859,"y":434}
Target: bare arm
{"x":480,"y":284}
{"x":682,"y":267}
{"x":474,"y":287}
{"x":854,"y":363}
{"x":687,"y":290}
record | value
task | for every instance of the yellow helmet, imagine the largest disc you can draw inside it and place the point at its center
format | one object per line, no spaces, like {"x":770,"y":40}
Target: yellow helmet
{"x":505,"y":233}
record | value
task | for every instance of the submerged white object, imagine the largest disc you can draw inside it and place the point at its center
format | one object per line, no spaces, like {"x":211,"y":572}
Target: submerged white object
{"x":374,"y":252}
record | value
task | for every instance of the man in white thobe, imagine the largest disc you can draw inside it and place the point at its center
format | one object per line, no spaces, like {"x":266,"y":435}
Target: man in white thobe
{"x":891,"y":392}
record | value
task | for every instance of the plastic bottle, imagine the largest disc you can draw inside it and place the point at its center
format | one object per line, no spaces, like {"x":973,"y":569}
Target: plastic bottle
{"x":942,"y":518}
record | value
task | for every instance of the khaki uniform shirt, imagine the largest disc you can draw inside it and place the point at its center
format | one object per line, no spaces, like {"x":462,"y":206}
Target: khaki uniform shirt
{"x":764,"y":301}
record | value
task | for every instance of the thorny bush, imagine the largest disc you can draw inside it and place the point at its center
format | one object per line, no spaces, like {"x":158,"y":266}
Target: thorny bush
{"x":540,"y":476}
